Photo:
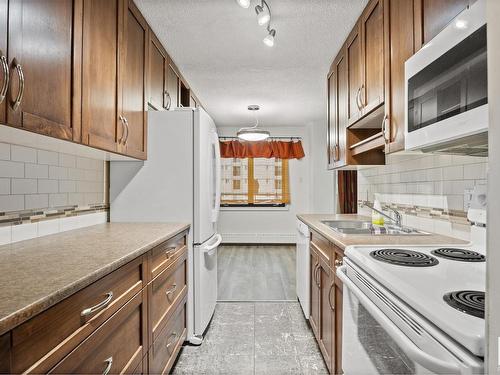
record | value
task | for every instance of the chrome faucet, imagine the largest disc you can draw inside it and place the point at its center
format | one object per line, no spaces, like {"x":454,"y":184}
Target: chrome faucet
{"x":397,"y":219}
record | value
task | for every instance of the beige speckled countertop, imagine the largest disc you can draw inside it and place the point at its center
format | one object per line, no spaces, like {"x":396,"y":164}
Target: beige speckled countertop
{"x":36,"y":274}
{"x":313,"y":221}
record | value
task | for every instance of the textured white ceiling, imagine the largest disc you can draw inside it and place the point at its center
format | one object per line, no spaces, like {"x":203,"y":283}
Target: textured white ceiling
{"x":218,"y":47}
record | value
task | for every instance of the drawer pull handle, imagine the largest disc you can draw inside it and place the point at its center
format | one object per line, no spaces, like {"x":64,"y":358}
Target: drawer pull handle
{"x":169,"y":250}
{"x":330,"y":298}
{"x":338,"y":262}
{"x":5,"y":66}
{"x":171,"y":289}
{"x":99,"y":306}
{"x":170,"y":342}
{"x":109,"y":362}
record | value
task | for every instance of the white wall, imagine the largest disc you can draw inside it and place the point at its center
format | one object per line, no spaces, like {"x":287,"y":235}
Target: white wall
{"x":493,"y":255}
{"x":274,"y":224}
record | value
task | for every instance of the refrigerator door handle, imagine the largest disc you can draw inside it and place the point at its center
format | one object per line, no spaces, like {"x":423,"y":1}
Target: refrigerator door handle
{"x":211,"y":247}
{"x":216,"y":209}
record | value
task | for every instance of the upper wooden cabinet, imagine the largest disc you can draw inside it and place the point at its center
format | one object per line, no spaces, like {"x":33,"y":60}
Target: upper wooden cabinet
{"x":44,"y":53}
{"x":133,"y":63}
{"x":173,"y":87}
{"x":3,"y":60}
{"x":372,"y":42}
{"x":434,"y":15}
{"x":354,"y":73}
{"x":100,"y":74}
{"x":158,"y":63}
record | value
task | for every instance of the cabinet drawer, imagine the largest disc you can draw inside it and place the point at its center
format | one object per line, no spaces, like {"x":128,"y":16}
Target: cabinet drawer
{"x":41,"y":342}
{"x":166,"y":292}
{"x":164,"y":254}
{"x":117,"y":347}
{"x":323,"y":247}
{"x":165,"y":349}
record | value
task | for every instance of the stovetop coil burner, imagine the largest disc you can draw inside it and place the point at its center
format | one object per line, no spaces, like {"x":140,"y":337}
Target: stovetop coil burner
{"x":467,"y":301}
{"x":402,"y":257}
{"x":459,"y":254}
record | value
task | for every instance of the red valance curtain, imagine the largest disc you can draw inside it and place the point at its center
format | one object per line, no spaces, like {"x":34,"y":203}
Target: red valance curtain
{"x":264,"y":149}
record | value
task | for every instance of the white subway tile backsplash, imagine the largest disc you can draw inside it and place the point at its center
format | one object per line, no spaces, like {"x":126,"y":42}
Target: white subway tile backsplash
{"x":36,"y":171}
{"x":58,"y":173}
{"x":11,"y":169}
{"x":21,"y":153}
{"x":32,"y":201}
{"x":453,"y":172}
{"x":4,"y":151}
{"x":76,"y":199}
{"x":48,"y":186}
{"x":68,"y":161}
{"x":4,"y":186}
{"x":76,"y":174}
{"x":11,"y":203}
{"x":48,"y":157}
{"x":24,"y":186}
{"x":67,"y":186}
{"x":58,"y":200}
{"x":475,"y":171}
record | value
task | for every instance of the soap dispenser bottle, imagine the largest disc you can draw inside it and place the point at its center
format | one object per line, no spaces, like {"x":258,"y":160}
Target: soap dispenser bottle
{"x":377,"y":219}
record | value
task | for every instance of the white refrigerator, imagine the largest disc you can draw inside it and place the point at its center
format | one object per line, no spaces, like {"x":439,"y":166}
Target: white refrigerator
{"x":179,"y":182}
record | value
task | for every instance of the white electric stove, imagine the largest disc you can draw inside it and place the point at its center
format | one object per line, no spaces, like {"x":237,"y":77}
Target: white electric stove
{"x":414,"y":309}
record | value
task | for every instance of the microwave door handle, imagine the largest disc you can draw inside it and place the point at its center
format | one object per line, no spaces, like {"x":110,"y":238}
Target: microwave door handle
{"x":413,"y":351}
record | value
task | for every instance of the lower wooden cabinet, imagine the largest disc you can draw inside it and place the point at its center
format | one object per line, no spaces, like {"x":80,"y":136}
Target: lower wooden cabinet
{"x":326,"y":300}
{"x":131,"y":321}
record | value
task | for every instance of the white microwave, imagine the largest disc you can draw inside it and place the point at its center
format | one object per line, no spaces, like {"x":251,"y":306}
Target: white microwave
{"x":447,"y":89}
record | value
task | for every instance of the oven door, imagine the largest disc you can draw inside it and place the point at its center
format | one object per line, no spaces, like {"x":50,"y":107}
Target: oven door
{"x":377,"y":342}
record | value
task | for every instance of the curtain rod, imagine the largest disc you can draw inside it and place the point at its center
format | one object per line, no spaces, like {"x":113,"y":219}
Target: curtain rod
{"x":290,"y":138}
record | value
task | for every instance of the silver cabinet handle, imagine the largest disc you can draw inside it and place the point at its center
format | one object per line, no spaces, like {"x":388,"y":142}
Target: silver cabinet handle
{"x":338,"y":262}
{"x":166,"y":94}
{"x":168,"y":251}
{"x":20,"y":94}
{"x":123,"y":129}
{"x":171,"y":289}
{"x":125,"y":121}
{"x":109,"y":362}
{"x":361,"y":90}
{"x":385,"y":133}
{"x":358,"y":99}
{"x":318,"y":283}
{"x":99,"y":306}
{"x":336,"y":151}
{"x":329,"y":296}
{"x":170,"y":342}
{"x":6,"y":77}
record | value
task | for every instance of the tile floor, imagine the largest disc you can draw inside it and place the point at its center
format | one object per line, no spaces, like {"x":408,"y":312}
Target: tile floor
{"x":256,"y":273}
{"x":254,"y":338}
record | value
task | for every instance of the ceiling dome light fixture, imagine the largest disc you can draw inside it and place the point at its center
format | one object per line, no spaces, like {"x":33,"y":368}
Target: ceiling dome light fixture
{"x":269,"y":39}
{"x":243,"y":3}
{"x":253,"y":134}
{"x":263,"y":13}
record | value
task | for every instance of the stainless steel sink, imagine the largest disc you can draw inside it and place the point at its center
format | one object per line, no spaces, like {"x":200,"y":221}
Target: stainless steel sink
{"x":365,"y":227}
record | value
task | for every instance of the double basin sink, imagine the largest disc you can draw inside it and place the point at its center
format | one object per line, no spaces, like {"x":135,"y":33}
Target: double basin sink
{"x":366,"y":227}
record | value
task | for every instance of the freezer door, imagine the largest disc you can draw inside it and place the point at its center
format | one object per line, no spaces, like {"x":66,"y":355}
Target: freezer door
{"x":206,"y":177}
{"x":205,"y":283}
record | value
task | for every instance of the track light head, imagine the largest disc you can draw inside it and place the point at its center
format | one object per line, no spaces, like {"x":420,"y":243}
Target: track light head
{"x":269,"y":39}
{"x":263,"y":15}
{"x":243,"y":3}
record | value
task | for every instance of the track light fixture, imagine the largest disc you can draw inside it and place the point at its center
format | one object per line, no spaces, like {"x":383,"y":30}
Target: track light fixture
{"x":263,"y":18}
{"x":263,"y":13}
{"x":243,"y":3}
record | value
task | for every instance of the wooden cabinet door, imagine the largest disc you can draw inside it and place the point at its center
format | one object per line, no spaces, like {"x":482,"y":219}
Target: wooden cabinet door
{"x":133,"y":63}
{"x":331,"y":125}
{"x":315,"y":294}
{"x":326,"y":325}
{"x":100,"y":74}
{"x":158,"y":62}
{"x":341,"y":105}
{"x":401,"y":46}
{"x":354,"y":74}
{"x":116,"y":347}
{"x":372,"y":40}
{"x":434,"y":15}
{"x":338,"y":296}
{"x":44,"y":53}
{"x":3,"y":61}
{"x":172,"y":87}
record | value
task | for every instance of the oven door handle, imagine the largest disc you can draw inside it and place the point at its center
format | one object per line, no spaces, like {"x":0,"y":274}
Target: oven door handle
{"x":413,"y":351}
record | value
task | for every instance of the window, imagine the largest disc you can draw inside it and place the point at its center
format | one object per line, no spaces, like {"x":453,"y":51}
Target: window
{"x":254,"y":182}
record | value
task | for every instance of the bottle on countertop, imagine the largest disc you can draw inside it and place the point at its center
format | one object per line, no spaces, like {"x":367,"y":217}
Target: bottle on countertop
{"x":377,"y":219}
